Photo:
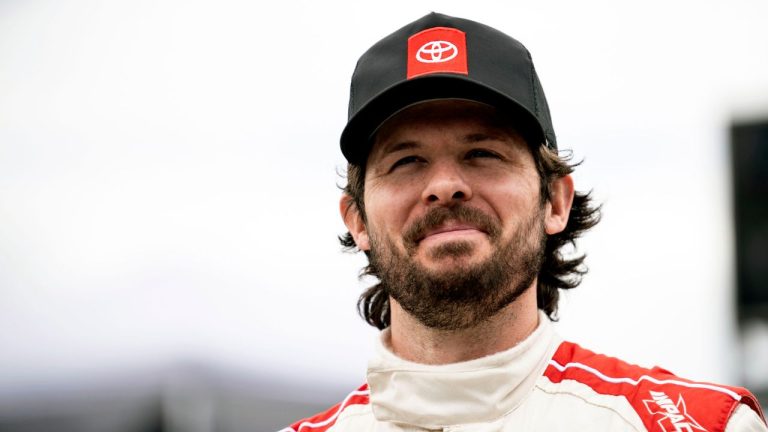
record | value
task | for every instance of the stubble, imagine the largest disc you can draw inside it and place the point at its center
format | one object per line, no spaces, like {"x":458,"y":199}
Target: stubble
{"x":466,"y":294}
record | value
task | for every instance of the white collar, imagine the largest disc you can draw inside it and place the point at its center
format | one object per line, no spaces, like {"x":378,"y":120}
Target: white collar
{"x":479,"y":390}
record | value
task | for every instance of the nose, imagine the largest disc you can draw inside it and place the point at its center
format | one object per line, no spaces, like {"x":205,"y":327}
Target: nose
{"x":446,"y":185}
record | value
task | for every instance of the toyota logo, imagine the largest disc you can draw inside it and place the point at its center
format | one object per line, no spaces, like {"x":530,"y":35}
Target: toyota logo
{"x":437,"y":52}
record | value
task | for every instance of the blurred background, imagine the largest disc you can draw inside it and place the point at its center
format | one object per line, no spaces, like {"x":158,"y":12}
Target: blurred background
{"x":169,"y":195}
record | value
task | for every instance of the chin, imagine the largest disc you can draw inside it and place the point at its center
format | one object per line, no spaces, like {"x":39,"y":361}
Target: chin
{"x":456,"y":251}
{"x":453,"y":262}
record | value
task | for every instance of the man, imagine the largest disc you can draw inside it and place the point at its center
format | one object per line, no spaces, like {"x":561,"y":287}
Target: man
{"x":459,"y":199}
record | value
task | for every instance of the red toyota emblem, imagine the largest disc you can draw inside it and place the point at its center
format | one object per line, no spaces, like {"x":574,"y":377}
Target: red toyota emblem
{"x":437,"y":50}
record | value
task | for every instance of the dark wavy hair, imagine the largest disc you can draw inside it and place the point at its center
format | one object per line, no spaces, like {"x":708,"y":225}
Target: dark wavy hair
{"x":558,"y":271}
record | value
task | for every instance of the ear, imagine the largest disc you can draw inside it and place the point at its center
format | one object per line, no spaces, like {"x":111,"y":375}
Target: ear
{"x":354,"y":222}
{"x":559,"y":206}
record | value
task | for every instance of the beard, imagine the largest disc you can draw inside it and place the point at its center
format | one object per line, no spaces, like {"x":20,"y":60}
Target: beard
{"x":466,"y":294}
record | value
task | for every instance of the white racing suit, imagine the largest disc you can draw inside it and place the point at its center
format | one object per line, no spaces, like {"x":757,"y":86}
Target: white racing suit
{"x":542,"y":384}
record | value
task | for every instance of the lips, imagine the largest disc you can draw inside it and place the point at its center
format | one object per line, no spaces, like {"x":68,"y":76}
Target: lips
{"x":448,"y":228}
{"x":441,"y":220}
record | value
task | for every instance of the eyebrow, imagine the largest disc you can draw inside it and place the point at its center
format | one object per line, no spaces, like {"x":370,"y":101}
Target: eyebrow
{"x":469,"y":138}
{"x":479,"y":137}
{"x":404,"y":145}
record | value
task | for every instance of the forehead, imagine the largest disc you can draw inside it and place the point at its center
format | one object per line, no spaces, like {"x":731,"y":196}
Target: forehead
{"x":441,"y":114}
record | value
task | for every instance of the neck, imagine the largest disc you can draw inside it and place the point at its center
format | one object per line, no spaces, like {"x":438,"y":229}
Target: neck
{"x":412,"y":341}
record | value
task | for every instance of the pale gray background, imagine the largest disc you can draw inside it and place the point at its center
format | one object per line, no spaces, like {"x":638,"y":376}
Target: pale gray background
{"x":168,"y":182}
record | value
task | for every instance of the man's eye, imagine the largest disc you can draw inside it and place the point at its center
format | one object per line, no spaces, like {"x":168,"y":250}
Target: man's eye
{"x":480,"y":153}
{"x":405,"y":161}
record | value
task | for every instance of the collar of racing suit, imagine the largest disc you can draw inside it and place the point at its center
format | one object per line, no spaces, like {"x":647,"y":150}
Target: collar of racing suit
{"x":474,"y":391}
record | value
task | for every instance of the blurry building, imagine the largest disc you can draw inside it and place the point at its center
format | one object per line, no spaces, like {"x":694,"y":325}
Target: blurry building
{"x":183,"y":398}
{"x":749,"y":155}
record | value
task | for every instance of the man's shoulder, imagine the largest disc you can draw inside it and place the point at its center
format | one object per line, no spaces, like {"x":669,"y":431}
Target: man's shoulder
{"x":324,"y":420}
{"x":658,"y":396}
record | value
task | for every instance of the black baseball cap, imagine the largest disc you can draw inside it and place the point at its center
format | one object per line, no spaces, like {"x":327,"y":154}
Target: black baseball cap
{"x":443,"y":57}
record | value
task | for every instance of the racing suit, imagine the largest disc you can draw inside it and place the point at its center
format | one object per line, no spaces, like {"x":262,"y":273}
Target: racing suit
{"x":541,"y":384}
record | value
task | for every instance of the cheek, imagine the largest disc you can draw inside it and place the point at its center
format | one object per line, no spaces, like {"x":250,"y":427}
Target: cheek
{"x":512,"y":200}
{"x":388,"y":210}
{"x":388,"y":220}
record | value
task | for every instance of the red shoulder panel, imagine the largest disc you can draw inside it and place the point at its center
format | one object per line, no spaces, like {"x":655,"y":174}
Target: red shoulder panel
{"x":664,"y":401}
{"x":321,"y":422}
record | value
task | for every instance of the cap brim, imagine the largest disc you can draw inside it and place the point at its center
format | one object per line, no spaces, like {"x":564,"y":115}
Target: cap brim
{"x":356,"y":138}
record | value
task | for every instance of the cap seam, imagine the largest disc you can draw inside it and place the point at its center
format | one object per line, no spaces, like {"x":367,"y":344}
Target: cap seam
{"x":533,"y":88}
{"x":352,"y":104}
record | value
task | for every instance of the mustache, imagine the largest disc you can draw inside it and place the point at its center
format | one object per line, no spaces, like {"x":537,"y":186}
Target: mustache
{"x":437,"y":216}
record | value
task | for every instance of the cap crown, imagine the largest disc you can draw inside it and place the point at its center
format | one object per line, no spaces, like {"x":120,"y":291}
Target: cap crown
{"x":438,"y":57}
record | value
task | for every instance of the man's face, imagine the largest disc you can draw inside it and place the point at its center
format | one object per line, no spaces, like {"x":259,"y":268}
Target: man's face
{"x":454,"y":222}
